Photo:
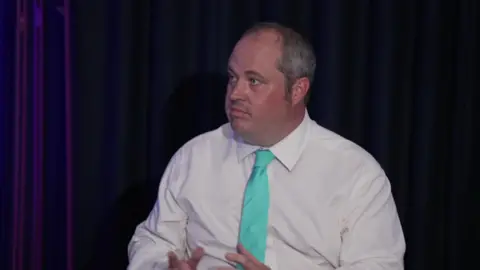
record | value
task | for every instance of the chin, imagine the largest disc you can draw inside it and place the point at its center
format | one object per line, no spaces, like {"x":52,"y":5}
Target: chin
{"x":239,"y":125}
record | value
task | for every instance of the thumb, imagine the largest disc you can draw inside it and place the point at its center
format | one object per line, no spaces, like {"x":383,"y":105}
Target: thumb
{"x":196,"y":256}
{"x":198,"y":253}
{"x":172,"y":259}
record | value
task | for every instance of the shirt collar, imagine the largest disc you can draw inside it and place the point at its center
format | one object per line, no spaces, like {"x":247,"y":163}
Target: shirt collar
{"x":287,"y":151}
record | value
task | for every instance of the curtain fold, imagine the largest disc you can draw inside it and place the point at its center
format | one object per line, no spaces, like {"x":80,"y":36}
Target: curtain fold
{"x":36,"y":229}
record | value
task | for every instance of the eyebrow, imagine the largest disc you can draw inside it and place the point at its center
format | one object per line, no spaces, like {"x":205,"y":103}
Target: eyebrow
{"x":230,"y":70}
{"x":248,"y":73}
{"x":255,"y":74}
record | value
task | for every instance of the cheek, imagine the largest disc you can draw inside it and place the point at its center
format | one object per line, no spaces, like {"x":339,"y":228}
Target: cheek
{"x":271,"y":99}
{"x":280,"y":108}
{"x":227,"y":96}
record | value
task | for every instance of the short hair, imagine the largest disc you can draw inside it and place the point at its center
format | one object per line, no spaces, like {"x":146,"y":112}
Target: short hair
{"x":298,"y":58}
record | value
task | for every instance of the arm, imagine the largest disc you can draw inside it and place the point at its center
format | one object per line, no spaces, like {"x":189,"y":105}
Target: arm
{"x":164,"y":228}
{"x":373,"y":237}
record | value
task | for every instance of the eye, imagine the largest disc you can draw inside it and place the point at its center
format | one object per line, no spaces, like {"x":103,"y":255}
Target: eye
{"x":231,"y":78}
{"x":254,"y":81}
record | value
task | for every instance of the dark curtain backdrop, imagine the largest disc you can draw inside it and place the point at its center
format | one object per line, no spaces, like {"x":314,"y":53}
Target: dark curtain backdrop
{"x":396,"y":77}
{"x":400,"y":78}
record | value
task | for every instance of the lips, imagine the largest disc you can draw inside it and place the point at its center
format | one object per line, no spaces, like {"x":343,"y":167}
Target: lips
{"x":237,"y":112}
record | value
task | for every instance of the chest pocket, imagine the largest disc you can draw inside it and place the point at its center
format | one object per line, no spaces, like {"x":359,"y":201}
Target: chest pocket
{"x":302,"y":226}
{"x":213,"y":206}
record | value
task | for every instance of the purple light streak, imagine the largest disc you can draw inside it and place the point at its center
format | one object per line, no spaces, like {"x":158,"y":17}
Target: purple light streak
{"x":68,"y":139}
{"x":38,"y":122}
{"x":17,"y":132}
{"x":20,"y":135}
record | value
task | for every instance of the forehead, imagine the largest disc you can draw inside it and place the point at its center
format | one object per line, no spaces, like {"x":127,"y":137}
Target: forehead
{"x":257,"y":51}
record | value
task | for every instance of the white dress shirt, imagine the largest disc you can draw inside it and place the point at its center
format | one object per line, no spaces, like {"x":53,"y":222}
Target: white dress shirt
{"x":331,"y":204}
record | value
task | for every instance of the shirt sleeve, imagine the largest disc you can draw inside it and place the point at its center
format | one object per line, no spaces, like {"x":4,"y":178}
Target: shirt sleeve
{"x":373,"y":238}
{"x":164,"y":228}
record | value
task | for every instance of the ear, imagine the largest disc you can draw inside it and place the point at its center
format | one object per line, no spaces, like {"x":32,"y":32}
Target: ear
{"x":299,"y":90}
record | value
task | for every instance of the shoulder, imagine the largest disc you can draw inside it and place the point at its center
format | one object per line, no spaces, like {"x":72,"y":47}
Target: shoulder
{"x":353,"y":172}
{"x":196,"y":156}
{"x":346,"y":154}
{"x":203,"y":145}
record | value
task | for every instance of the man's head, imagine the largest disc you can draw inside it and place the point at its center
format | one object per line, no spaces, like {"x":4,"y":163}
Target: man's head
{"x":270,"y":72}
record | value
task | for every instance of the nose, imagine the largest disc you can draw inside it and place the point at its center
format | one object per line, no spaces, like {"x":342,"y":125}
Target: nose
{"x":237,"y":91}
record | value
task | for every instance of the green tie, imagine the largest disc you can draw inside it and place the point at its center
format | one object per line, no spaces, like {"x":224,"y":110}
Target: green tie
{"x":254,"y":222}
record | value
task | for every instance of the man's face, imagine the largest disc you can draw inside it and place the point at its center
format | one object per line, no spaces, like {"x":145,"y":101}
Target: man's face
{"x":256,"y":98}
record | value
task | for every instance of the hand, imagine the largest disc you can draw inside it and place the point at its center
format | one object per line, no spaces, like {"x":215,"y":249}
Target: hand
{"x":191,"y":264}
{"x":244,"y":258}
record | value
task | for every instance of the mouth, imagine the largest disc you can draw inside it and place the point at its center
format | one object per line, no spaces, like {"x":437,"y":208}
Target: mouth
{"x":238,"y":113}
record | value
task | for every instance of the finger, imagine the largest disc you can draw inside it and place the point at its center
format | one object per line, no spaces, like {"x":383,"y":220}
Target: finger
{"x":242,"y":250}
{"x":238,"y":258}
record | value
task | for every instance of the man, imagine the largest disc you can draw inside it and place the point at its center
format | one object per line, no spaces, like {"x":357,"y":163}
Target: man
{"x":271,"y":189}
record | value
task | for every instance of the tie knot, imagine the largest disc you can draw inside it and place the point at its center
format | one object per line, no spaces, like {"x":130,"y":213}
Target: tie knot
{"x":263,"y":158}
